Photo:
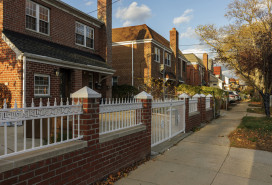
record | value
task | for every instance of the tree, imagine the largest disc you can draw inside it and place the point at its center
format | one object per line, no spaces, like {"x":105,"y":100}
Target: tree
{"x":245,"y":44}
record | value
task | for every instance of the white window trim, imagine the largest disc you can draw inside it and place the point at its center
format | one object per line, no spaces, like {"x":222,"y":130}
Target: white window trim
{"x":168,"y":60}
{"x":42,"y":75}
{"x":157,"y":53}
{"x":38,"y":19}
{"x":85,"y":36}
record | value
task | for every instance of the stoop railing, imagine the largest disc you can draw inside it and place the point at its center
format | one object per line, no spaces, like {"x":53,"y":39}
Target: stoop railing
{"x":31,"y":128}
{"x":168,"y":120}
{"x":118,"y":114}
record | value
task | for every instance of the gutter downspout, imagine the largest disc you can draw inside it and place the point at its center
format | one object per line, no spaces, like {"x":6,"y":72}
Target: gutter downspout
{"x":24,"y":81}
{"x":132,"y":63}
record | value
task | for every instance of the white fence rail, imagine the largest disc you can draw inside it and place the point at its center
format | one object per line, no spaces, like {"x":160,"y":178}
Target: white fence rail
{"x":193,"y":105}
{"x":31,"y":128}
{"x":119,"y":114}
{"x":168,"y":120}
{"x":208,"y":103}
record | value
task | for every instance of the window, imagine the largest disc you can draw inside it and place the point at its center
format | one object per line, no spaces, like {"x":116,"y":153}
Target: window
{"x":168,"y":59}
{"x":114,"y":81}
{"x":184,"y":66}
{"x":41,"y":85}
{"x":90,"y":80}
{"x":84,"y":35}
{"x":37,"y":17}
{"x":157,"y":55}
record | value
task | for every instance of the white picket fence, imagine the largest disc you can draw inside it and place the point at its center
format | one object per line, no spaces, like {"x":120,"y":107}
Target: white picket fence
{"x":193,"y":105}
{"x":118,"y":114}
{"x":31,"y":128}
{"x":208,"y":103}
{"x":168,"y":120}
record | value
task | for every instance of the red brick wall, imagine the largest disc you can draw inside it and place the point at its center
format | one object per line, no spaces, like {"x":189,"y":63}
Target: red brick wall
{"x":11,"y":74}
{"x":194,"y":122}
{"x":193,"y":75}
{"x":33,"y":68}
{"x":62,"y":25}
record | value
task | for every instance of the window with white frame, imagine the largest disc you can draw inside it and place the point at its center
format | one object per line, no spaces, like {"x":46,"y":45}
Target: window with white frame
{"x":114,"y":81}
{"x":37,"y":17}
{"x":168,"y":59}
{"x":157,"y":55}
{"x":90,"y":80}
{"x":41,"y":85}
{"x":84,"y":35}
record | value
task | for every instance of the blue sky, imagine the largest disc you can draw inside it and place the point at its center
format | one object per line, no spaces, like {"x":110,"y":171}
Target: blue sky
{"x":163,"y":15}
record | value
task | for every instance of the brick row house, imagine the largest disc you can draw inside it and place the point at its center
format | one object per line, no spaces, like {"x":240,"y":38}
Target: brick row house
{"x":50,"y":50}
{"x":142,"y":58}
{"x":197,"y":71}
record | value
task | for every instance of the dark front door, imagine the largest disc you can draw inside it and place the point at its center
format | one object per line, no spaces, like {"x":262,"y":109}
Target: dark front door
{"x":65,"y":86}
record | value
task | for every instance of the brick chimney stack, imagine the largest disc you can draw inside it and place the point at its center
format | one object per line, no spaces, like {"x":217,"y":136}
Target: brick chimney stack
{"x":104,"y":14}
{"x":206,"y":64}
{"x":174,"y":44}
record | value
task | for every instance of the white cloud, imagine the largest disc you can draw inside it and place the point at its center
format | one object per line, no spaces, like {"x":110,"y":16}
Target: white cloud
{"x":229,"y":73}
{"x":88,"y":3}
{"x":133,"y":14}
{"x":190,"y":33}
{"x":185,"y":17}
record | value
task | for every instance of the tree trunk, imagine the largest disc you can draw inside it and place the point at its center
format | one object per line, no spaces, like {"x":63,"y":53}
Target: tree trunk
{"x":266,"y":103}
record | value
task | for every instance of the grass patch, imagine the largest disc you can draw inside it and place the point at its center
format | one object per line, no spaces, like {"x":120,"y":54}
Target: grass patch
{"x":256,"y":123}
{"x":253,"y":133}
{"x":257,"y":110}
{"x":255,"y":105}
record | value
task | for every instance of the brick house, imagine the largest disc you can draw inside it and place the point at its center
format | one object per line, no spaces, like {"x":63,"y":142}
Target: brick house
{"x":140,"y":55}
{"x":50,"y":49}
{"x":197,"y":70}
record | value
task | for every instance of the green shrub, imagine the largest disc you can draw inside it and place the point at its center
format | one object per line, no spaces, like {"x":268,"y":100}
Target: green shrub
{"x":124,"y":91}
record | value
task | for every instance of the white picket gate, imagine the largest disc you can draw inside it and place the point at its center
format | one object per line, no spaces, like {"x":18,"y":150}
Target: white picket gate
{"x":168,"y":120}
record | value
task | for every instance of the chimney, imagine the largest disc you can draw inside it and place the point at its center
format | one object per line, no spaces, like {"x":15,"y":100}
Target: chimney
{"x":104,"y":13}
{"x":174,"y":44}
{"x":206,"y":64}
{"x":206,"y":61}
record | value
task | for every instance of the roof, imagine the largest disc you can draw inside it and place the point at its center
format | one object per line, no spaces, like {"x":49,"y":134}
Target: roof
{"x":193,"y":58}
{"x":29,"y":44}
{"x":182,"y":56}
{"x":139,"y":32}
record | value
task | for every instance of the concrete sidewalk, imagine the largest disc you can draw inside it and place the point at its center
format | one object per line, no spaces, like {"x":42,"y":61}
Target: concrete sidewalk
{"x":205,"y":158}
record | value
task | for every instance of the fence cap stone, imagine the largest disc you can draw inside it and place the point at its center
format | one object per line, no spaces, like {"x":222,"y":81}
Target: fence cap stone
{"x":85,"y":92}
{"x":143,"y":95}
{"x":196,"y":96}
{"x":184,"y":95}
{"x":202,"y":95}
{"x":209,"y":96}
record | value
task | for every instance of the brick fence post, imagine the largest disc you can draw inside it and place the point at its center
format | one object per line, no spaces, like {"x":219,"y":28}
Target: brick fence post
{"x":89,"y":120}
{"x":146,"y":112}
{"x":203,"y":108}
{"x":185,"y":97}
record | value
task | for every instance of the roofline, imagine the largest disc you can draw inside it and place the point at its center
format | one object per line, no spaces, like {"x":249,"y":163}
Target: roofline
{"x":79,"y":12}
{"x":59,"y":62}
{"x":142,"y":42}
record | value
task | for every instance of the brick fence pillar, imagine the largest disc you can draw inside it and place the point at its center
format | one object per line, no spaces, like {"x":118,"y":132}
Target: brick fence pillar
{"x":185,"y":97}
{"x":203,"y":108}
{"x":146,"y":112}
{"x":89,"y":120}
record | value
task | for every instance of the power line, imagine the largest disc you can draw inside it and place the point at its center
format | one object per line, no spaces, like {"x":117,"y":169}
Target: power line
{"x":103,"y":7}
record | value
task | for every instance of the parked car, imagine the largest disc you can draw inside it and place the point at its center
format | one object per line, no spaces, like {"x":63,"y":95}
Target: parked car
{"x":232,"y":97}
{"x":237,"y":96}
